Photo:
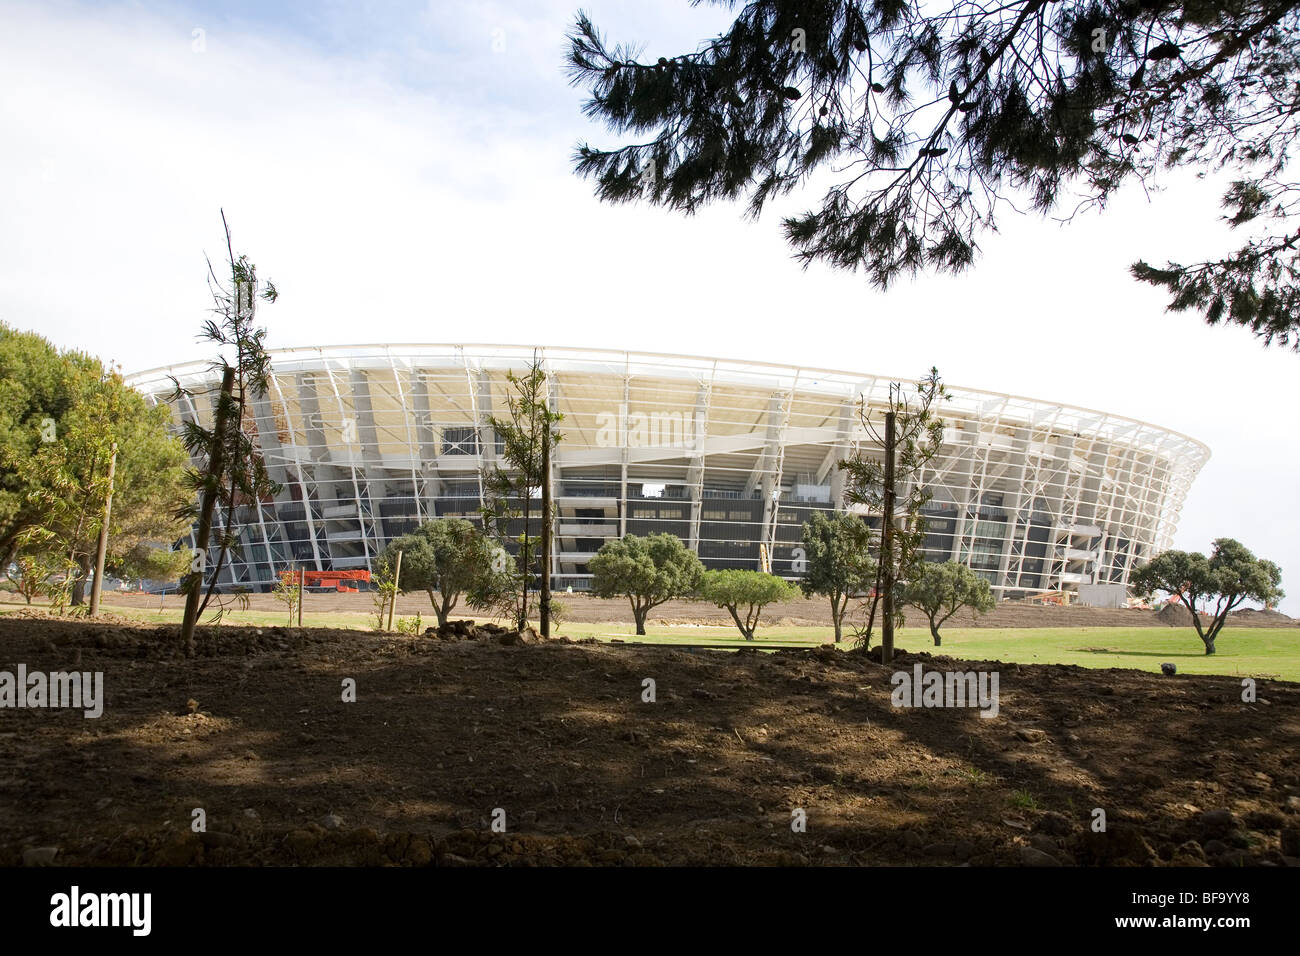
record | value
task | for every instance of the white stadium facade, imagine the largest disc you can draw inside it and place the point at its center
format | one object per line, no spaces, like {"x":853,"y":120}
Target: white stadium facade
{"x":369,"y":441}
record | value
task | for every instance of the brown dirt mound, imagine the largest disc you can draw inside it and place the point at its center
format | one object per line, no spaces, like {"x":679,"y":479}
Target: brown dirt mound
{"x":1260,"y":617}
{"x":1177,"y":615}
{"x":466,"y":630}
{"x":1174,"y":615}
{"x":558,"y":735}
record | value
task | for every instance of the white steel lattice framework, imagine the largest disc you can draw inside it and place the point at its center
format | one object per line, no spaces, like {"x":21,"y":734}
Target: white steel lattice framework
{"x":368,"y":441}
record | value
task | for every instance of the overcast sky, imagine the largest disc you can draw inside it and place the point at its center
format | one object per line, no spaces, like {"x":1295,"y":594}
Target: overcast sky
{"x":402,"y":172}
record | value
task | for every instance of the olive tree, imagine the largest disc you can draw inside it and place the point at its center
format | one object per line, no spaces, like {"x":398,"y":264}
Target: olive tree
{"x":1217,"y":584}
{"x":940,"y":590}
{"x":839,"y":563}
{"x":744,"y":594}
{"x":445,"y":558}
{"x":647,"y":571}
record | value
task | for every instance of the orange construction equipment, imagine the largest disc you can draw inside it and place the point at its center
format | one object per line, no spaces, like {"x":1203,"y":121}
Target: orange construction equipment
{"x":1060,"y":598}
{"x":334,"y":579}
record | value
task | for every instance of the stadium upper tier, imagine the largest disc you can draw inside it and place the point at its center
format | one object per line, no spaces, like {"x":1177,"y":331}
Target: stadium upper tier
{"x":369,"y":441}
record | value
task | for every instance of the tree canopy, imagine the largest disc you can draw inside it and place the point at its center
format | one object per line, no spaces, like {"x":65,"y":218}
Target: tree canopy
{"x":931,"y":120}
{"x":940,"y":590}
{"x":39,"y":389}
{"x":837,"y":550}
{"x":647,"y":571}
{"x":744,"y":594}
{"x":446,"y":558}
{"x":1216,"y":585}
{"x":62,"y":414}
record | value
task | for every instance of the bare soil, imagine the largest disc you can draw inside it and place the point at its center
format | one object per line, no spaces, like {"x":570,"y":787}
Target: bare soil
{"x":253,"y":731}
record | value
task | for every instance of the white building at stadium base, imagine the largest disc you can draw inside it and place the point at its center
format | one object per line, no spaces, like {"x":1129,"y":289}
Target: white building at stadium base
{"x":369,"y":441}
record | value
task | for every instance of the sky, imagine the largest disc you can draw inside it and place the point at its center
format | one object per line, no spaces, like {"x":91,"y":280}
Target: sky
{"x":403,"y":173}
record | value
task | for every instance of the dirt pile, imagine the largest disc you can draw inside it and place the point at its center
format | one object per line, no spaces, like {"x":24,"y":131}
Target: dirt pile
{"x":324,"y":747}
{"x":1177,"y":615}
{"x":471,"y":631}
{"x":1260,"y":617}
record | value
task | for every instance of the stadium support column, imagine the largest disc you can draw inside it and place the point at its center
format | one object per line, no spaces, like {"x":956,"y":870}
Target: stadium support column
{"x":547,"y":519}
{"x":481,"y":409}
{"x":268,"y":442}
{"x":622,"y":443}
{"x":776,"y":475}
{"x":695,"y":473}
{"x":298,"y":454}
{"x":763,"y":477}
{"x":830,"y":468}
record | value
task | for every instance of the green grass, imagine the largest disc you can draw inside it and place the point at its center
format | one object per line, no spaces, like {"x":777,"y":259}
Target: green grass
{"x":1242,"y":652}
{"x":1024,"y":800}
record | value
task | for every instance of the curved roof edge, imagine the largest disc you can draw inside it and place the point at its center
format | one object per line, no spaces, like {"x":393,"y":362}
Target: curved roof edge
{"x":628,"y":355}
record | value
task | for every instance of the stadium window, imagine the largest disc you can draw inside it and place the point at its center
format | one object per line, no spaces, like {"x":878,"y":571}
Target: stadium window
{"x":460,"y":440}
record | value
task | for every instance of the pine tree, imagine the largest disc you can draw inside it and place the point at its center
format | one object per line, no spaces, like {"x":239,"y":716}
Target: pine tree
{"x":230,"y":477}
{"x":934,"y":118}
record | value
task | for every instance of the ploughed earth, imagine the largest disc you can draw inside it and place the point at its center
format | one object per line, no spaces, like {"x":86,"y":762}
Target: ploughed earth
{"x":556,"y":740}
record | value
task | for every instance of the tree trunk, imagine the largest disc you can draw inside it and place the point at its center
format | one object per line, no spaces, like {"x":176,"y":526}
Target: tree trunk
{"x":216,"y":465}
{"x":77,"y":596}
{"x":79,"y":586}
{"x":746,"y":632}
{"x":526,"y":556}
{"x":639,"y":614}
{"x":438,"y":609}
{"x":934,"y":631}
{"x":887,"y":545}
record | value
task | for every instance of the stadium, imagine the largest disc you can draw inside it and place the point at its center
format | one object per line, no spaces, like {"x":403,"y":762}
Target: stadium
{"x":733,"y":457}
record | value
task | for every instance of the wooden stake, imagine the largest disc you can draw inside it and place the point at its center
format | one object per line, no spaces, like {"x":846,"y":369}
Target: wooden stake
{"x":546,"y":525}
{"x":397,"y":578}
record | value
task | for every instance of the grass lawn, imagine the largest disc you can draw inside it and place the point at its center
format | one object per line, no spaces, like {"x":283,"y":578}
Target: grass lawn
{"x":1242,"y":651}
